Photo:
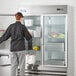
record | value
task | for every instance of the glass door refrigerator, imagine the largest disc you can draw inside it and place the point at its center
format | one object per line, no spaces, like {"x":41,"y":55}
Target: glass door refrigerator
{"x":48,"y":26}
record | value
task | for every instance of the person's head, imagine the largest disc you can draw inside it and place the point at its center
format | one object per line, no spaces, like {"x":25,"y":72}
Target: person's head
{"x":18,"y":16}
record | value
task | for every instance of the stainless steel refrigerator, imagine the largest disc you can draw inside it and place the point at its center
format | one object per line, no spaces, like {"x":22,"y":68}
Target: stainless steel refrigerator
{"x":48,"y":26}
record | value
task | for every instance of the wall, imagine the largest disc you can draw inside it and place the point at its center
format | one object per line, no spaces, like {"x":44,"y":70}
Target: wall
{"x":11,"y":6}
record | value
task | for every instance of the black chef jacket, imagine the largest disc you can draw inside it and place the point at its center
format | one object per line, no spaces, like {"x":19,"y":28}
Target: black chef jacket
{"x":18,"y":33}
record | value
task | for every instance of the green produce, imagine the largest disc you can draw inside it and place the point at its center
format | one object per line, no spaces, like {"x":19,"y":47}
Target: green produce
{"x":61,"y":36}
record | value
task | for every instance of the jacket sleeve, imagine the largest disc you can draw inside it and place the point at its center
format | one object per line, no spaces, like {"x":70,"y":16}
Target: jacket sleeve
{"x":30,"y":44}
{"x":6,"y":35}
{"x":26,"y":33}
{"x":28,"y":37}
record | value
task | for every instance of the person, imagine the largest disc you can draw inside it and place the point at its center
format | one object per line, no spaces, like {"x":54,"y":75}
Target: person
{"x":18,"y":33}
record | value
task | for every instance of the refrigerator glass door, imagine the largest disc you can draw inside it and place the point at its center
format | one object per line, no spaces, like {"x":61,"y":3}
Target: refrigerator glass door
{"x":54,"y":40}
{"x":33,"y":23}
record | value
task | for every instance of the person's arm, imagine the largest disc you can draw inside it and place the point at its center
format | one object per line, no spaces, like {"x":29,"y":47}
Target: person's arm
{"x":26,"y":33}
{"x":28,"y":37}
{"x":6,"y":35}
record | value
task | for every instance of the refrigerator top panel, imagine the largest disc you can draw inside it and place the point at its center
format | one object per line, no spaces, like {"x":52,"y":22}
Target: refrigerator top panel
{"x":44,"y":9}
